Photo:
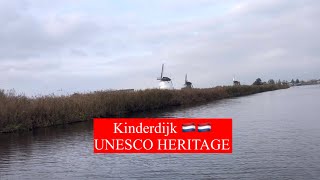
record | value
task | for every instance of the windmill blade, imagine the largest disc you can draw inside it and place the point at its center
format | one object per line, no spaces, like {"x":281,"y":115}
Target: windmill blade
{"x":162,"y":71}
{"x":186,"y":78}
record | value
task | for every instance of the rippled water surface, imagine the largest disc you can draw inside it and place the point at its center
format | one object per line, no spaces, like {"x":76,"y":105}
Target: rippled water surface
{"x":276,"y":135}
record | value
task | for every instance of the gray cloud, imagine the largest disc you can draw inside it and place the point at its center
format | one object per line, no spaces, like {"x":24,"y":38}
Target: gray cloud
{"x":25,"y":36}
{"x":82,"y":51}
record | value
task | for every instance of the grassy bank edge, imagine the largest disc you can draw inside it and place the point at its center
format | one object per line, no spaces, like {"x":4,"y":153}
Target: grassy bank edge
{"x":19,"y":113}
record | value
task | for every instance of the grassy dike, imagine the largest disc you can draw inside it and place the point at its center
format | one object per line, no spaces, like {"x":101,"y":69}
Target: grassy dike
{"x":23,"y":113}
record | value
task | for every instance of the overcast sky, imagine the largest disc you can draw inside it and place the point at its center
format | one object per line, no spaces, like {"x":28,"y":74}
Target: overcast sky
{"x":84,"y":45}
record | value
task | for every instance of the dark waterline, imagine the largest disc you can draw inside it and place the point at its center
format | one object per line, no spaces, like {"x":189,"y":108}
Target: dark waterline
{"x":276,"y":136}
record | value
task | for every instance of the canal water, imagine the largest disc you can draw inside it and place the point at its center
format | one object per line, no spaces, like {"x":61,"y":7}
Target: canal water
{"x":276,"y":135}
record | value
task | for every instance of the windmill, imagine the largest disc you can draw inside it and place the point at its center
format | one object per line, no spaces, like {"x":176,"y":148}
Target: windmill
{"x":165,"y":82}
{"x":187,"y":84}
{"x":235,"y":83}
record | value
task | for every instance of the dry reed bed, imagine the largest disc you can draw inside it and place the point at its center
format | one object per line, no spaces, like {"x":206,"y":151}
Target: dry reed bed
{"x":23,"y":113}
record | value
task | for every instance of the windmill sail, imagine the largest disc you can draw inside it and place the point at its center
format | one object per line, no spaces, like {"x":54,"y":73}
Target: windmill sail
{"x":186,"y":79}
{"x":187,"y":84}
{"x":235,"y":82}
{"x":165,"y":82}
{"x":162,"y":71}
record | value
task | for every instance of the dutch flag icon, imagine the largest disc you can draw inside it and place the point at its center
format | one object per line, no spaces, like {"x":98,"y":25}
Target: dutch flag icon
{"x":204,"y":127}
{"x":188,"y":127}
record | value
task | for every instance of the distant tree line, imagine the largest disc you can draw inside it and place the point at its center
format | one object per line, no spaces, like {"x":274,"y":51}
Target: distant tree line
{"x":293,"y":82}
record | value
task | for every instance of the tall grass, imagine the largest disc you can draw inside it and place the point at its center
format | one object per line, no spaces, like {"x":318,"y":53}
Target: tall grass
{"x":18,"y":112}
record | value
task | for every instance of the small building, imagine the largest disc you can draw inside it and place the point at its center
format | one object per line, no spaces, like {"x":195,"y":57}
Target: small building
{"x":236,"y":83}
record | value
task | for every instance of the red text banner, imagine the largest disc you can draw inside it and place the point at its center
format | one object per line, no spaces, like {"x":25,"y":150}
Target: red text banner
{"x":162,"y":135}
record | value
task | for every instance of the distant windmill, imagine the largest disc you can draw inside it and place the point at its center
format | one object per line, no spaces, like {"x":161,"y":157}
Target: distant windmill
{"x":187,"y":84}
{"x":165,"y":82}
{"x":235,"y":83}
